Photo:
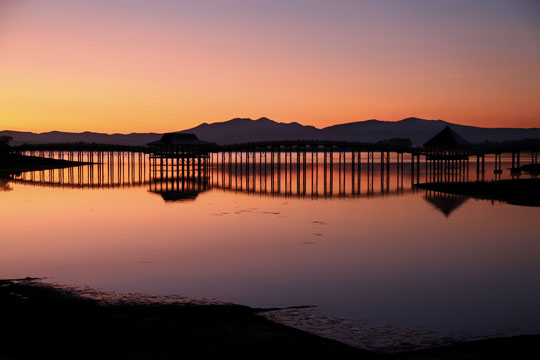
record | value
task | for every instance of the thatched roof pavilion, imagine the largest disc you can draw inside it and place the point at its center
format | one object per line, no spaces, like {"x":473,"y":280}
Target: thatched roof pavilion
{"x":180,"y":145}
{"x":446,"y":139}
{"x":173,"y":139}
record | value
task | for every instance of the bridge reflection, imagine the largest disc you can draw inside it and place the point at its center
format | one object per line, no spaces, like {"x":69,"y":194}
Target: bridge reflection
{"x":110,"y":170}
{"x":262,"y":174}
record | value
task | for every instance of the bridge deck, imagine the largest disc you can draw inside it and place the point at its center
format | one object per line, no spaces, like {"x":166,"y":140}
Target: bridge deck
{"x":291,"y":146}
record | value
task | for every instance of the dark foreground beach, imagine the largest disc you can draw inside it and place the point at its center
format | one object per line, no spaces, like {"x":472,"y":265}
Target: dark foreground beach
{"x":46,"y":322}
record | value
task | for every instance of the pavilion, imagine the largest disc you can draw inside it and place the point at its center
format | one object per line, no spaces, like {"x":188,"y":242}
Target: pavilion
{"x":179,"y":145}
{"x":447,"y":145}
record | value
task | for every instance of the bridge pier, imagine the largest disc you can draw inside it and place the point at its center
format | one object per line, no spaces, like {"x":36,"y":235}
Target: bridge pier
{"x":174,"y":163}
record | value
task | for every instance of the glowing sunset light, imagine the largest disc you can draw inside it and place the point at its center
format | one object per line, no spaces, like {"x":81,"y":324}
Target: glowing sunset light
{"x":137,"y":66}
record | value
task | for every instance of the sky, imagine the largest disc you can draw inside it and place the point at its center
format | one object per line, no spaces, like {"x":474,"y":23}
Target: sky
{"x":168,"y":65}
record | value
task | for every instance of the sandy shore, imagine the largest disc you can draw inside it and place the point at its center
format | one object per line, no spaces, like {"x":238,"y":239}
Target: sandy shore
{"x":47,"y":322}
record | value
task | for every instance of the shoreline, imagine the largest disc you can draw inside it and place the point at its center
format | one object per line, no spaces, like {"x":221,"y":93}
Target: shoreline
{"x":522,"y":192}
{"x":39,"y":315}
{"x":15,"y":164}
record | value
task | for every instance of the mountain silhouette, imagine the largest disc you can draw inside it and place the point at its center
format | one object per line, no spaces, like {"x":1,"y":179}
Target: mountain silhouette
{"x":240,"y":130}
{"x":244,"y":130}
{"x":20,"y":137}
{"x":418,"y":130}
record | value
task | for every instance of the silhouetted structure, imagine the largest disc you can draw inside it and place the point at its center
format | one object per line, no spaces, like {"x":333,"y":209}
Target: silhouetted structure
{"x":447,"y":139}
{"x":446,"y":156}
{"x":184,"y":154}
{"x":447,"y":145}
{"x":445,"y":203}
{"x":259,"y":176}
{"x":178,"y":139}
{"x":172,"y":196}
{"x":4,"y":145}
{"x":177,"y":145}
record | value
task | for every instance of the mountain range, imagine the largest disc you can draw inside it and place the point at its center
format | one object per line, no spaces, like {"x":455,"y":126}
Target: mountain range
{"x":240,"y":130}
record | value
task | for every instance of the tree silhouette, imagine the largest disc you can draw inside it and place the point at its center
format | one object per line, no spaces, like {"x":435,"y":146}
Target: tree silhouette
{"x":5,"y":149}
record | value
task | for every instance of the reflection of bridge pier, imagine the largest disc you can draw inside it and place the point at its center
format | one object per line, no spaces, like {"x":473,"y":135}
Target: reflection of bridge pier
{"x":117,"y":169}
{"x":289,"y":166}
{"x":179,"y":165}
{"x":515,"y":159}
{"x":273,"y":172}
{"x":282,"y":168}
{"x":296,"y":173}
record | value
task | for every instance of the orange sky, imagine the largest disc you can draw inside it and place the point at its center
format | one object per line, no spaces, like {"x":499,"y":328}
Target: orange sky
{"x":134,"y":66}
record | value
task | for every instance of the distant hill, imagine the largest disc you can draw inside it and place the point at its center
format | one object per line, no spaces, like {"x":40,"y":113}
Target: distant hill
{"x":245,"y":130}
{"x":20,"y":137}
{"x":418,"y":130}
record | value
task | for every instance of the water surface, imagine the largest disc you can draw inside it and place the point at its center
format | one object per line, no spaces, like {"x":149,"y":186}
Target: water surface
{"x":370,"y":251}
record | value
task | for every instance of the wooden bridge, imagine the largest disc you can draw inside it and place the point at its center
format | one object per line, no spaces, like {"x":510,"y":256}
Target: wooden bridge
{"x":94,"y":152}
{"x":241,"y":172}
{"x":283,"y":179}
{"x":444,"y":158}
{"x":180,"y":166}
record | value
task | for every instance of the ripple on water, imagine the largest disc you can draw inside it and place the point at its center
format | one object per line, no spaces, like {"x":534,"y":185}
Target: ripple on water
{"x":363,"y":334}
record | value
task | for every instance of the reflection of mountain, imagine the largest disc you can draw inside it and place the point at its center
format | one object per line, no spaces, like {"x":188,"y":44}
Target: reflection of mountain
{"x":445,"y":203}
{"x":263,"y":129}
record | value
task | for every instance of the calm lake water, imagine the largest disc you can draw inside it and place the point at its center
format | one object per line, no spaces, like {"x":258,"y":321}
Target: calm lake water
{"x":369,"y":253}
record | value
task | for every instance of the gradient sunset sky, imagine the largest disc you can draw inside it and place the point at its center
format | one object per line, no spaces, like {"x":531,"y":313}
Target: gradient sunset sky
{"x":167,"y":65}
